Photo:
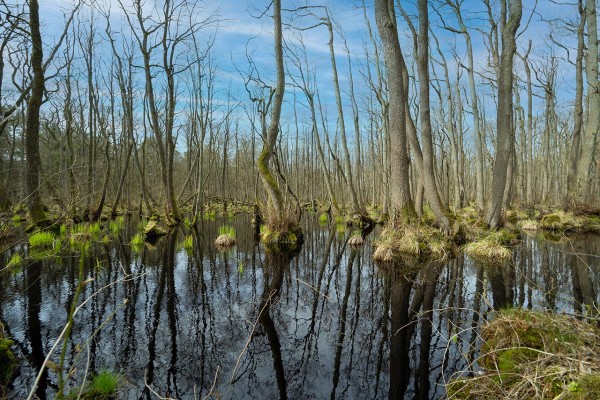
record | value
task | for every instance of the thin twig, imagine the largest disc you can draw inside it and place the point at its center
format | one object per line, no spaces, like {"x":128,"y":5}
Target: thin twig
{"x":250,"y":335}
{"x":213,"y":385}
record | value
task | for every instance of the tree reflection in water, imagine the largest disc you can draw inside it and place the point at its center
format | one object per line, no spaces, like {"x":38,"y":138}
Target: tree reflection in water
{"x":333,"y":324}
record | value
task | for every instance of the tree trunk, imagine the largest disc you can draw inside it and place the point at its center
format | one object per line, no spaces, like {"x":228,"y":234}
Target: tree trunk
{"x":401,"y":202}
{"x":584,"y":168}
{"x":429,"y":183}
{"x":275,"y":197}
{"x":32,"y":128}
{"x":504,"y":116}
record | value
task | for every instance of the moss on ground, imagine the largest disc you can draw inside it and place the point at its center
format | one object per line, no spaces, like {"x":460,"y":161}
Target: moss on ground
{"x":8,"y":361}
{"x":534,"y":355}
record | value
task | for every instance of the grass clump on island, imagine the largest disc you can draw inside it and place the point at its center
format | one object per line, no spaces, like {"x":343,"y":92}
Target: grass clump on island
{"x":226,"y":236}
{"x":534,"y":355}
{"x":41,"y":239}
{"x":410,"y":240}
{"x":103,"y":386}
{"x":281,"y":229}
{"x":494,"y":247}
{"x":356,"y":239}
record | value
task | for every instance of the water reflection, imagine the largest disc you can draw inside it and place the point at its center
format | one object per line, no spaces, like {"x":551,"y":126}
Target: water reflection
{"x":323,"y":323}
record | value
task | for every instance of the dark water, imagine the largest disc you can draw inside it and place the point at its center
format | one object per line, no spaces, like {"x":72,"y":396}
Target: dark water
{"x":325,"y":323}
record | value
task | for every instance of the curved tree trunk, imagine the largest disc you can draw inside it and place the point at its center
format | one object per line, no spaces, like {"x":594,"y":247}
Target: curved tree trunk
{"x":269,"y":181}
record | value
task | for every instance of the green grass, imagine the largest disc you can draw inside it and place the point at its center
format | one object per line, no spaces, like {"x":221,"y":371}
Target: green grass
{"x":103,"y":386}
{"x":493,"y":247}
{"x":41,"y":239}
{"x":534,"y":355}
{"x":188,"y":243}
{"x":137,"y":243}
{"x":209,"y":215}
{"x":95,"y":229}
{"x":227,"y":230}
{"x":141,"y":226}
{"x":116,"y":225}
{"x":323,"y":218}
{"x":15,"y":261}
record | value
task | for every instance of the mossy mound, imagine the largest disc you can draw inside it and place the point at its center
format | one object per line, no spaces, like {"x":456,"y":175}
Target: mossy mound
{"x":153,"y":230}
{"x":561,"y":221}
{"x":356,"y":241}
{"x":494,"y":247}
{"x":529,"y":225}
{"x":413,"y":241}
{"x":8,"y":360}
{"x":291,"y":237}
{"x":225,"y":240}
{"x":534,"y":355}
{"x":569,"y":222}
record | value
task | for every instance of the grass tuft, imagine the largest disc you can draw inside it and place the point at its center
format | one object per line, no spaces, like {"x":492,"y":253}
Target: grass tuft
{"x":493,"y":247}
{"x":188,"y":243}
{"x":103,"y":386}
{"x":41,"y":239}
{"x":410,"y":240}
{"x":116,"y":225}
{"x":356,"y":239}
{"x":137,"y":243}
{"x":15,"y":261}
{"x":226,"y":236}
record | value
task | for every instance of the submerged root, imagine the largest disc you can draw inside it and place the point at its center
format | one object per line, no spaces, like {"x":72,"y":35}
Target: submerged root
{"x":534,"y":355}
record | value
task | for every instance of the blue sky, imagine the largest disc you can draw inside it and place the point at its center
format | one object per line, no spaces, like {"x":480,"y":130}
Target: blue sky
{"x":239,"y":31}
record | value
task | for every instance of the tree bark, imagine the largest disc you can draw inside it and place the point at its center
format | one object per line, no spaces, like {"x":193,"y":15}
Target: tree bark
{"x":32,"y":128}
{"x":504,"y":116}
{"x":275,"y":197}
{"x":429,"y":183}
{"x":584,"y":168}
{"x":402,"y":206}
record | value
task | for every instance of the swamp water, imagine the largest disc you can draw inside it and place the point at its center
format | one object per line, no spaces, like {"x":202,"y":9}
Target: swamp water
{"x":248,"y":323}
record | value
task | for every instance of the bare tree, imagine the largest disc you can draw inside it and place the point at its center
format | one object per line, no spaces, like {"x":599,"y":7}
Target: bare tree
{"x":402,"y":206}
{"x":504,"y":117}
